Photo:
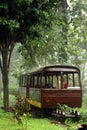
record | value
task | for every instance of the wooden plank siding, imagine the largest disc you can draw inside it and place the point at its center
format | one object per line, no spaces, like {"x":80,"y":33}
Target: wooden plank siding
{"x":51,"y":97}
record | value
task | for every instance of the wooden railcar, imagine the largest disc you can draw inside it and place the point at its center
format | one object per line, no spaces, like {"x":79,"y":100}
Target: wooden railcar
{"x":45,"y":86}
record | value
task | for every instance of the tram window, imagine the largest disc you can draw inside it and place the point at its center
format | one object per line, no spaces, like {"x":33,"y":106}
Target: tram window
{"x":28,"y":80}
{"x":53,"y":81}
{"x":57,"y":82}
{"x":25,"y":80}
{"x":58,"y":85}
{"x":43,"y":81}
{"x":73,"y":80}
{"x":48,"y":81}
{"x":76,"y":80}
{"x":65,"y":81}
{"x":31,"y":81}
{"x":23,"y":83}
{"x":39,"y":81}
{"x":35,"y":81}
{"x":70,"y":80}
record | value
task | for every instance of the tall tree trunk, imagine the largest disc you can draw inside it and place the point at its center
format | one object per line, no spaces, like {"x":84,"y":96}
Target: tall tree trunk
{"x":5,"y":88}
{"x":6,"y":49}
{"x":5,"y":72}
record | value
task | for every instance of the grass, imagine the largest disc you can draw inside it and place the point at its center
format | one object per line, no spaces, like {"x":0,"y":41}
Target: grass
{"x":7,"y":122}
{"x":44,"y":124}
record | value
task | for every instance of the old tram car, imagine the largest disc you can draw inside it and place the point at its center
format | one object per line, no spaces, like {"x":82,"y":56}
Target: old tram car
{"x":50,"y":85}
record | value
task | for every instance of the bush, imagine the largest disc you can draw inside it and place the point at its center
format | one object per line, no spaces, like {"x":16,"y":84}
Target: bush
{"x":21,"y":107}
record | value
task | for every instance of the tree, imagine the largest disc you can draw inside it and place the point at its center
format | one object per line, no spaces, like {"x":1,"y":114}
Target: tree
{"x":42,"y":49}
{"x":8,"y":27}
{"x":20,"y":19}
{"x":66,"y":41}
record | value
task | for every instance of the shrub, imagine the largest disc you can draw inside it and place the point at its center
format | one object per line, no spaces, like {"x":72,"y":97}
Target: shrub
{"x":22,"y":106}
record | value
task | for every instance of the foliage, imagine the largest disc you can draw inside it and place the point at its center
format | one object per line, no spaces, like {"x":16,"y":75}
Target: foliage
{"x":76,"y":37}
{"x":50,"y":47}
{"x":21,"y":107}
{"x":63,"y":107}
{"x":56,"y":47}
{"x":21,"y":111}
{"x":25,"y":120}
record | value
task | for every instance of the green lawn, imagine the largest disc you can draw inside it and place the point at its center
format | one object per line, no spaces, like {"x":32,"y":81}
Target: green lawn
{"x":7,"y":122}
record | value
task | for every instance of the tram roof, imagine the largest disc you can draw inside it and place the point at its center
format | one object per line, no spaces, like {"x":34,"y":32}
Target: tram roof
{"x":55,"y":69}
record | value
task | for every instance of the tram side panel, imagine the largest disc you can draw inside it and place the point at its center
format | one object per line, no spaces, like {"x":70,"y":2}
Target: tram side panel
{"x":35,"y":97}
{"x":50,"y":98}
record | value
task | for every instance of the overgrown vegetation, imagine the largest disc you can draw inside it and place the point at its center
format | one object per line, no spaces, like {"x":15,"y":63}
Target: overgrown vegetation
{"x":21,"y":119}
